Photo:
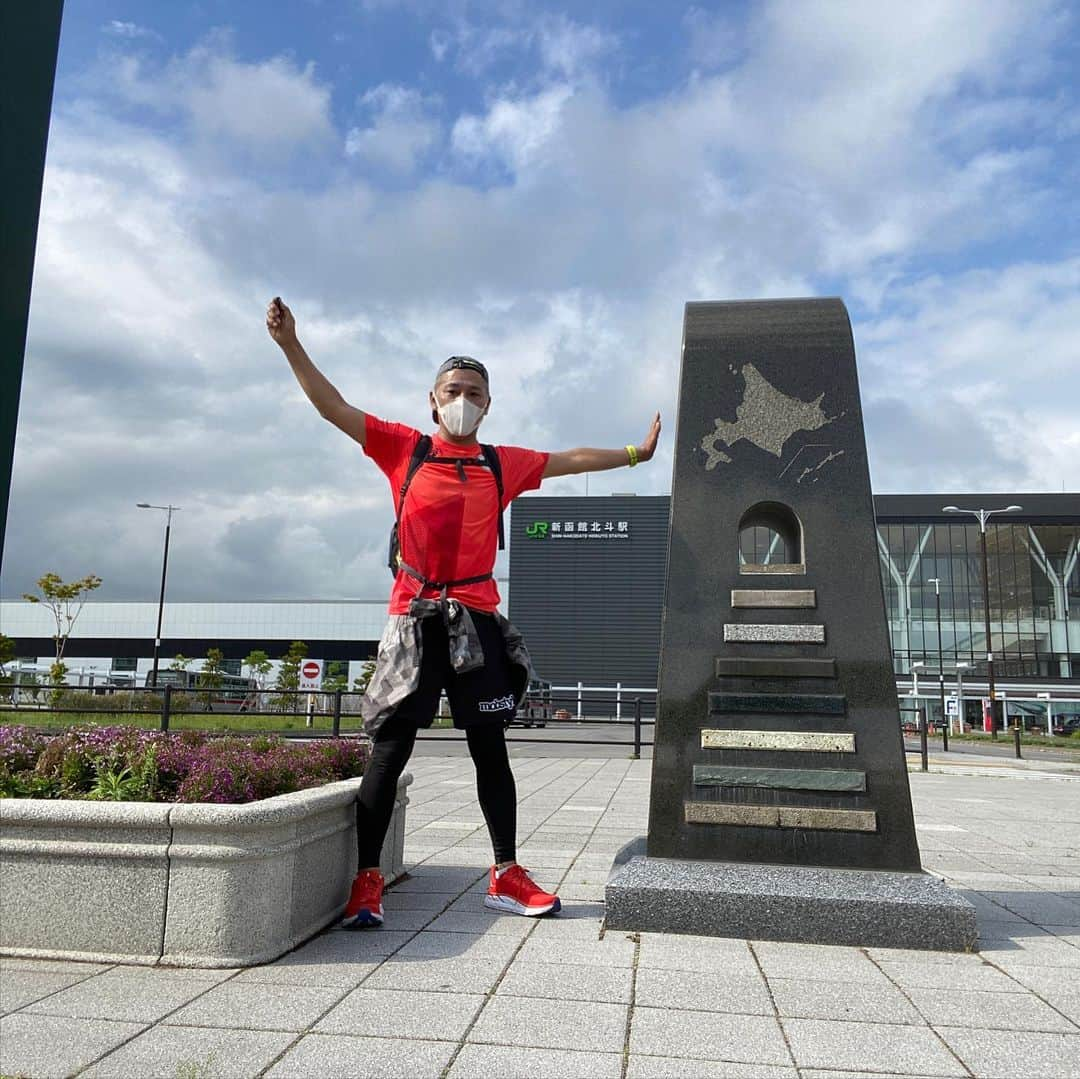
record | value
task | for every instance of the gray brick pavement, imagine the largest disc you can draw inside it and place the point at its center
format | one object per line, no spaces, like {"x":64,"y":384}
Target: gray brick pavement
{"x":448,"y":989}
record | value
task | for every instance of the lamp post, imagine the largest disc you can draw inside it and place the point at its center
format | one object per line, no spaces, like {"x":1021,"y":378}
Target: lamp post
{"x":161,"y":598}
{"x":936,"y":582}
{"x":960,"y":668}
{"x":1049,"y":713}
{"x":919,"y":715}
{"x":982,"y":516}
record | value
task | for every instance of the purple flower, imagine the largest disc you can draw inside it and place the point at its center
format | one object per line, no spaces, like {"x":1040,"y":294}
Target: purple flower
{"x":153,"y":766}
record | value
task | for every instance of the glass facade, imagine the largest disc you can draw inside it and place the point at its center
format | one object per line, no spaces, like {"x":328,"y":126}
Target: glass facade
{"x":1034,"y":586}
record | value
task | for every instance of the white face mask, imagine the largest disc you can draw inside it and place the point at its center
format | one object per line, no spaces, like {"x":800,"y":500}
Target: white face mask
{"x":461,"y":416}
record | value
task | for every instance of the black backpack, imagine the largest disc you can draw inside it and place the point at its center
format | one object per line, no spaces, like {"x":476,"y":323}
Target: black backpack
{"x":421,"y":454}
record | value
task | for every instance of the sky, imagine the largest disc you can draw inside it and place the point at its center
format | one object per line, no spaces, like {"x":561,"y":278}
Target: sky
{"x":542,"y":186}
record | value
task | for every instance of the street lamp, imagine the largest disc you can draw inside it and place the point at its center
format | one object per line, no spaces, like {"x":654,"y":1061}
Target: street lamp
{"x":161,"y":598}
{"x":936,"y":582}
{"x":982,"y":516}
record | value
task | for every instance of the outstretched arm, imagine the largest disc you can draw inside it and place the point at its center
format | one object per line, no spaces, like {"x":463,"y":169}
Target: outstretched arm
{"x":320,"y":390}
{"x":572,"y":462}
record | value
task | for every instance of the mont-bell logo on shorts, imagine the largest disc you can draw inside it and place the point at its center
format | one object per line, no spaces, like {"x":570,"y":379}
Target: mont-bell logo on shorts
{"x":499,"y":704}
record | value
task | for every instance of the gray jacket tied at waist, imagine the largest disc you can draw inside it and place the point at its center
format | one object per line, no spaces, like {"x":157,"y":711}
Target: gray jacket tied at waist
{"x":397,"y":666}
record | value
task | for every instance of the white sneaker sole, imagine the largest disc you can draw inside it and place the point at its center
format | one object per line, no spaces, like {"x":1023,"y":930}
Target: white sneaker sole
{"x":512,"y":906}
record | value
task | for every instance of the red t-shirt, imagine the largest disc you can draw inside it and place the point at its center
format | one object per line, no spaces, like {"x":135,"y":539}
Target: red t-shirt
{"x":449,"y":529}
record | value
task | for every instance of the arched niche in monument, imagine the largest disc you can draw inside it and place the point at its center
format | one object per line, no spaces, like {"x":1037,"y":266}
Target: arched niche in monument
{"x":771,"y":540}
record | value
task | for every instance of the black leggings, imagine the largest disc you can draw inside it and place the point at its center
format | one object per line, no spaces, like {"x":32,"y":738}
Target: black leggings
{"x":494,"y":787}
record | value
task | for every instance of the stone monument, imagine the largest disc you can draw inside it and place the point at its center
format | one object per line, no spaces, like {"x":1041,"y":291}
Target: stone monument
{"x":780,"y":806}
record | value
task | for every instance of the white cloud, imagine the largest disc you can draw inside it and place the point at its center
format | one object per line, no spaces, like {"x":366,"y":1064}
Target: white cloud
{"x":402,"y":129}
{"x":830,"y":154}
{"x":130,"y":30}
{"x":975,"y":377}
{"x":268,"y":108}
{"x":514,"y":131}
{"x":557,"y":46}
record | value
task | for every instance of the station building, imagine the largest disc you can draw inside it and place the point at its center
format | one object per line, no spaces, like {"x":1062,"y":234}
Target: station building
{"x":586,"y":586}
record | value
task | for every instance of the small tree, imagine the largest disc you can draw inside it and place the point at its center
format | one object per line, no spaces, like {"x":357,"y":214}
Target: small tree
{"x":363,"y":680}
{"x":336,"y":676}
{"x":180,"y":663}
{"x":213,"y":669}
{"x":61,"y":598}
{"x":288,"y":676}
{"x":7,"y":653}
{"x":258,"y":665}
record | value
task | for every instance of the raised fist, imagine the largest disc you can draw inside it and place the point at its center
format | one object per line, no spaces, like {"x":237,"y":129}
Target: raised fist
{"x":280,"y":322}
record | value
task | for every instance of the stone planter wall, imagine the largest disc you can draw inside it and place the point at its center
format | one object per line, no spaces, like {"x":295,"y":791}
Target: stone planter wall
{"x":178,"y":884}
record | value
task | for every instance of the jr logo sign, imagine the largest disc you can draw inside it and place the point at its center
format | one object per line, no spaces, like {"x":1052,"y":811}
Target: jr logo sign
{"x":537,"y":530}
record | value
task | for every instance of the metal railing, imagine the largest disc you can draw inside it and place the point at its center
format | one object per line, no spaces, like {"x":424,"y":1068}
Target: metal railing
{"x":340,"y":707}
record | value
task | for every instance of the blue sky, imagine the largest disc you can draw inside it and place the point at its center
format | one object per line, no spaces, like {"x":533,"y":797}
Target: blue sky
{"x":543,"y":186}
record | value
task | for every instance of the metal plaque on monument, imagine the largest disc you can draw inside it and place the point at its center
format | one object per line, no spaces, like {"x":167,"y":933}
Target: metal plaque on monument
{"x":780,"y":807}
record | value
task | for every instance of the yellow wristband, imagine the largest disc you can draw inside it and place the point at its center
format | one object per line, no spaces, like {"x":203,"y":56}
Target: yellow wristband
{"x":631,"y":452}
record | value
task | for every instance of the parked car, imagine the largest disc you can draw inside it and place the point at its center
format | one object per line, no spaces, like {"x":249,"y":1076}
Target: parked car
{"x":536,"y":709}
{"x":1066,"y":726}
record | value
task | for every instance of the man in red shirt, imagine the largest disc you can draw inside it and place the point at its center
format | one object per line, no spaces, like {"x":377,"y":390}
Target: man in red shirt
{"x":445,"y":633}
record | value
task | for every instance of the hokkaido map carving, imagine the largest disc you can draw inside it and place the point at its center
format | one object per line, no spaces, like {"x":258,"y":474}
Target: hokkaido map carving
{"x":768,"y":418}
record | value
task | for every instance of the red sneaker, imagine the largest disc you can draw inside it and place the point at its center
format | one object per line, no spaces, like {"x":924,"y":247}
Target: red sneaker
{"x":513,"y":890}
{"x":365,"y":902}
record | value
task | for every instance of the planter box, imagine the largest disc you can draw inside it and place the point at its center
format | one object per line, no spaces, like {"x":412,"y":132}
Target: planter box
{"x":180,"y":884}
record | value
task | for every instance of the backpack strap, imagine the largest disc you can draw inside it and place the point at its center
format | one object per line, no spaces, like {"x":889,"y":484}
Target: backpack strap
{"x":420,"y":453}
{"x":495,"y":465}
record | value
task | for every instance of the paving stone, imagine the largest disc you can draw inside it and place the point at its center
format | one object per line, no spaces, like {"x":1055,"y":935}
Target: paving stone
{"x":126,"y":994}
{"x":699,"y":991}
{"x":908,"y":1050}
{"x":43,"y":1046}
{"x":333,"y":974}
{"x":459,"y":922}
{"x":798,"y":965}
{"x":615,"y":950}
{"x":51,"y":966}
{"x":254,"y":1006}
{"x":373,"y":1058}
{"x":863,"y":1002}
{"x":704,"y":954}
{"x":20,"y":986}
{"x":433,"y":901}
{"x":433,"y":945}
{"x":606,"y":984}
{"x":402,"y":1014}
{"x":649,"y":1067}
{"x":165,"y":1052}
{"x":354,"y":945}
{"x":550,"y":1024}
{"x":994,"y":1011}
{"x":829,"y":1073}
{"x":748,"y":1039}
{"x":982,"y":977}
{"x":1040,"y":952}
{"x":1016,"y":1054}
{"x":438,"y":975}
{"x":485,"y":1061}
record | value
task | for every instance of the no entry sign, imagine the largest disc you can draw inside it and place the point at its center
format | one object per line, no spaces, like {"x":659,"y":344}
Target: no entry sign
{"x":311,"y":674}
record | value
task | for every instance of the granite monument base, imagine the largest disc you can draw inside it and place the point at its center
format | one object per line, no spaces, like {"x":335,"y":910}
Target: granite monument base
{"x":811,"y":905}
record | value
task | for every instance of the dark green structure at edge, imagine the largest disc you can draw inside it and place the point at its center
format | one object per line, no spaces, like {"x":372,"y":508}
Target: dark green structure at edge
{"x":29,"y":39}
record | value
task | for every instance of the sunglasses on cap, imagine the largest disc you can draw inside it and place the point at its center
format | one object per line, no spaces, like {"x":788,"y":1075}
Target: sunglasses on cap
{"x":464,"y":363}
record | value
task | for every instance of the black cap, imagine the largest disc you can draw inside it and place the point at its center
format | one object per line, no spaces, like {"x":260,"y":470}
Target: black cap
{"x":465,"y":363}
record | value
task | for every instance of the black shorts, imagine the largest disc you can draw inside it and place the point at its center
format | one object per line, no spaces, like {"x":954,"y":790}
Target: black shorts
{"x":476,"y":698}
